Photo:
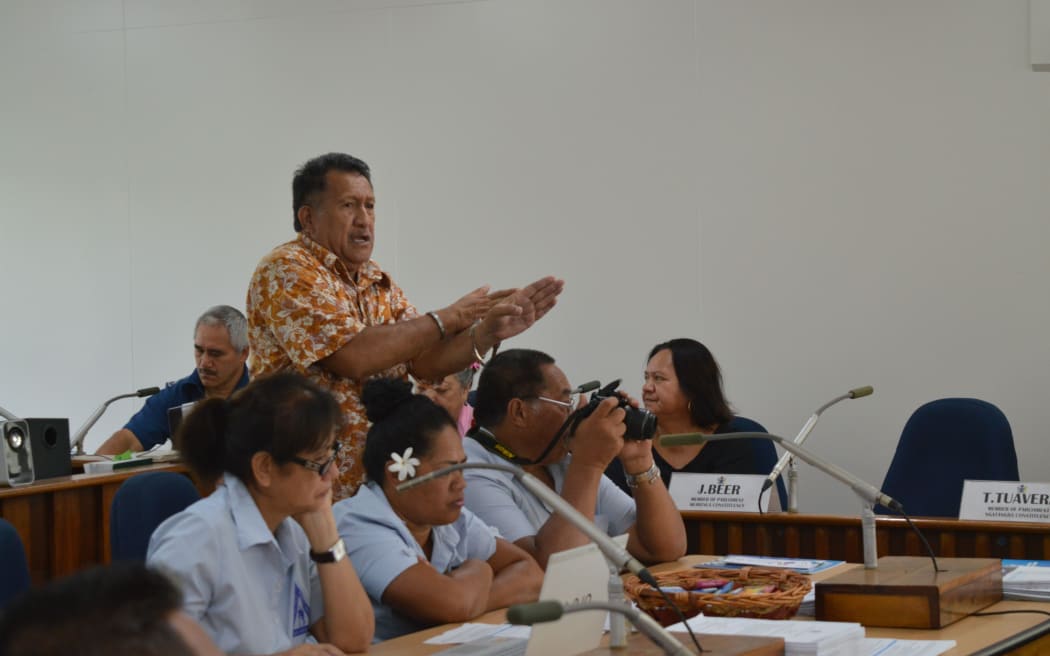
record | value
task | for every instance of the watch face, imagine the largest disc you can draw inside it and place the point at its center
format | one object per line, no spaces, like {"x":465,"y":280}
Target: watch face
{"x":338,"y":551}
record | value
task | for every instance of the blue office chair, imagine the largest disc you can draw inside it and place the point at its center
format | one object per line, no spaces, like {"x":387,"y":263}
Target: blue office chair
{"x":141,"y":503}
{"x":764,"y":452}
{"x":944,"y":443}
{"x":14,"y":570}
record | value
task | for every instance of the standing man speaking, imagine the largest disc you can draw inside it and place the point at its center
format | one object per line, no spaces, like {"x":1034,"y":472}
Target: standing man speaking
{"x":320,"y":305}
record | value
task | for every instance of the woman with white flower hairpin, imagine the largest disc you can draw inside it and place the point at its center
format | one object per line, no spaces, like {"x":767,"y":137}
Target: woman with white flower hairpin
{"x":422,"y":557}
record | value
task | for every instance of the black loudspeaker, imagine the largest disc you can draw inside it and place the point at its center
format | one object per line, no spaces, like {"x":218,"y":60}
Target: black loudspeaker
{"x":50,"y":443}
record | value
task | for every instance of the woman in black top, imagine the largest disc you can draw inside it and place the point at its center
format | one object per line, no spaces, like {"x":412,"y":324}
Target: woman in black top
{"x":683,"y":388}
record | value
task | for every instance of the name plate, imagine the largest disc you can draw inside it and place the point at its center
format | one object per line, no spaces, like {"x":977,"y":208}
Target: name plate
{"x":718,"y":492}
{"x":1005,"y":501}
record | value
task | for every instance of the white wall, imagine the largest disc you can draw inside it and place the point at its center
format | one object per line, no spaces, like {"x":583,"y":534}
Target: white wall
{"x":829,"y":193}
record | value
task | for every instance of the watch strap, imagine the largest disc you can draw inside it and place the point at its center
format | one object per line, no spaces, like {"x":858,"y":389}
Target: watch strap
{"x":334,"y":554}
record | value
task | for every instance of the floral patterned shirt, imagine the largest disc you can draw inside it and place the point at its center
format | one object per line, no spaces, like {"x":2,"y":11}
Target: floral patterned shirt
{"x":304,"y":305}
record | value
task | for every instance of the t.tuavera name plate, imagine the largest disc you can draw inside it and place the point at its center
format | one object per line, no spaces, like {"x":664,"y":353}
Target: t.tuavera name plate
{"x":1005,"y":501}
{"x":718,"y":492}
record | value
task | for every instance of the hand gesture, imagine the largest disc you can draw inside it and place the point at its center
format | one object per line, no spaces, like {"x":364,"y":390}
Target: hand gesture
{"x":516,"y":312}
{"x":463,"y":313}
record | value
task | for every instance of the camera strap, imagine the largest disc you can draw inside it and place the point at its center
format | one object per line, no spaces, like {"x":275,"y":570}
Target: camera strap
{"x":485,"y":438}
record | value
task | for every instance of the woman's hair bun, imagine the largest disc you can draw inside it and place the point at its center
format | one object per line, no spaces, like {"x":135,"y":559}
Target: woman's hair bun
{"x":382,"y":396}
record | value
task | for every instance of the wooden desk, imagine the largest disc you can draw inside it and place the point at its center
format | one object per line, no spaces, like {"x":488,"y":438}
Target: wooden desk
{"x":973,"y":635}
{"x":64,"y":522}
{"x":839,"y":538}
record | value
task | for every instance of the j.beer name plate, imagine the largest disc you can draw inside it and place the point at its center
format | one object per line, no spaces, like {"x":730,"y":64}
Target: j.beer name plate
{"x":718,"y":492}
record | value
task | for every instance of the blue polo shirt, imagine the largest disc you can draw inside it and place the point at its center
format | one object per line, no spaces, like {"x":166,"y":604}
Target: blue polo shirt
{"x":254,"y":591}
{"x":381,"y":548}
{"x":150,"y":424}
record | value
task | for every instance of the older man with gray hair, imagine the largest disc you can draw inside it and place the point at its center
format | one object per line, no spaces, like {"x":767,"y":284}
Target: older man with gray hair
{"x":220,"y":344}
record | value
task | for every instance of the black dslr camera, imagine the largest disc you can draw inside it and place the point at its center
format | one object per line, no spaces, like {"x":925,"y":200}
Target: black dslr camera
{"x":641,"y":424}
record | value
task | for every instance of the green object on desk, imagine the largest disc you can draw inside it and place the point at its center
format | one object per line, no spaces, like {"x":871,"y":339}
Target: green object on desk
{"x":134,"y":462}
{"x":127,"y":455}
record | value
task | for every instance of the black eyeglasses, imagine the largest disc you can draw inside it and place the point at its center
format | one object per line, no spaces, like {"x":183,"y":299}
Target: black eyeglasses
{"x":320,"y":467}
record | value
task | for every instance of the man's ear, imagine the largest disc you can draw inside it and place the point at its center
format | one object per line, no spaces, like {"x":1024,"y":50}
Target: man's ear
{"x":519,"y":413}
{"x":305,"y":214}
{"x":263,"y":468}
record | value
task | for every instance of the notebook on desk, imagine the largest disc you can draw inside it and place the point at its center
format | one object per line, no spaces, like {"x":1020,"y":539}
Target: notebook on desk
{"x":573,"y":575}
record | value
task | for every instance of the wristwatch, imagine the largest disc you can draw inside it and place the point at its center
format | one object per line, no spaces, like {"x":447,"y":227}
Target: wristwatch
{"x":645,"y":478}
{"x":334,"y":554}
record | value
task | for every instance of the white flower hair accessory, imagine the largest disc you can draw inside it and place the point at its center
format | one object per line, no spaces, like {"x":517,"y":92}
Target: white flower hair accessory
{"x":404,"y":465}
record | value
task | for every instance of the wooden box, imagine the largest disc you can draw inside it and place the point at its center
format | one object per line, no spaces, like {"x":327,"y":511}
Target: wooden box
{"x":904,"y":591}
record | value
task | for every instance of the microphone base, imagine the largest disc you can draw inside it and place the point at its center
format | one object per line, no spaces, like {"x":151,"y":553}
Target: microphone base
{"x":714,"y":645}
{"x":905,"y":592}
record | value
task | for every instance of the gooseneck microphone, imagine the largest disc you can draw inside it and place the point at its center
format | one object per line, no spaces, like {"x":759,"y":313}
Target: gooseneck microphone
{"x":8,"y":416}
{"x":550,"y":611}
{"x":616,"y":554}
{"x":589,"y":386}
{"x":866,"y":491}
{"x":77,"y":443}
{"x":857,"y":393}
{"x":869,"y":493}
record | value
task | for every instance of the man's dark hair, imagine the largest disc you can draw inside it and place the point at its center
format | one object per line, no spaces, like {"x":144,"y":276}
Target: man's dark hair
{"x":119,"y":610}
{"x":512,"y":374}
{"x":309,"y":179}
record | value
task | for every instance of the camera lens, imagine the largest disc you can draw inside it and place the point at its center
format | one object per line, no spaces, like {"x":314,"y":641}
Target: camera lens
{"x":641,"y":424}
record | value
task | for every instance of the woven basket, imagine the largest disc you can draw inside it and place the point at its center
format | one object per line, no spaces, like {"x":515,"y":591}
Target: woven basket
{"x":766,"y":593}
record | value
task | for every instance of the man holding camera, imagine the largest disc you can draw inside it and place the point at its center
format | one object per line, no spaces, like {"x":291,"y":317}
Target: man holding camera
{"x":523,"y":403}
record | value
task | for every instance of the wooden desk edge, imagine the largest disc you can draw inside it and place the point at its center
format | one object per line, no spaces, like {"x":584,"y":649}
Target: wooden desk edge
{"x":47,"y":485}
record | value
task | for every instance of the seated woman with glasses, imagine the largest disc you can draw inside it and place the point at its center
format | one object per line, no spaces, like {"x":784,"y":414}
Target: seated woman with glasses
{"x":423,"y":558}
{"x":260,"y":562}
{"x":683,"y":388}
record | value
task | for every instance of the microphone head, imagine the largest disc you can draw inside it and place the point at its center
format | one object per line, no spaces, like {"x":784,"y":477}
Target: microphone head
{"x":535,"y":613}
{"x":147,"y":391}
{"x":589,"y":386}
{"x":867,"y":390}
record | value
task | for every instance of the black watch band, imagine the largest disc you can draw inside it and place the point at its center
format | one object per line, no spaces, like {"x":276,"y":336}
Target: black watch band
{"x":334,"y":554}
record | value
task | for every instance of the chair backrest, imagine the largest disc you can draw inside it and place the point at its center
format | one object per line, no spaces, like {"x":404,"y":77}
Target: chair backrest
{"x":944,"y":443}
{"x":14,"y":570}
{"x":140,"y":505}
{"x":764,"y":452}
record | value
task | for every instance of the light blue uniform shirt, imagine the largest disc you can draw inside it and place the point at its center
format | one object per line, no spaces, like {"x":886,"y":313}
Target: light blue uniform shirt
{"x":253,"y":591}
{"x":381,"y":548}
{"x":504,"y":503}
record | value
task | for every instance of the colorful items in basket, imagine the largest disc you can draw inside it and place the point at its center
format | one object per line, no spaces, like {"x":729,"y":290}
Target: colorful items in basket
{"x":765,"y":593}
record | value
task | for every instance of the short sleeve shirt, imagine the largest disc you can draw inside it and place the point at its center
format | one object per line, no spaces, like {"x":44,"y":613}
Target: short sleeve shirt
{"x":150,"y":424}
{"x":303,"y":305}
{"x":253,"y":591}
{"x":381,"y":548}
{"x":503,"y":503}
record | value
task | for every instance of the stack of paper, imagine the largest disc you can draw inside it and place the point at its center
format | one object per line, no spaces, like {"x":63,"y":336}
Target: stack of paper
{"x":801,"y":565}
{"x":801,"y":638}
{"x":1026,"y":580}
